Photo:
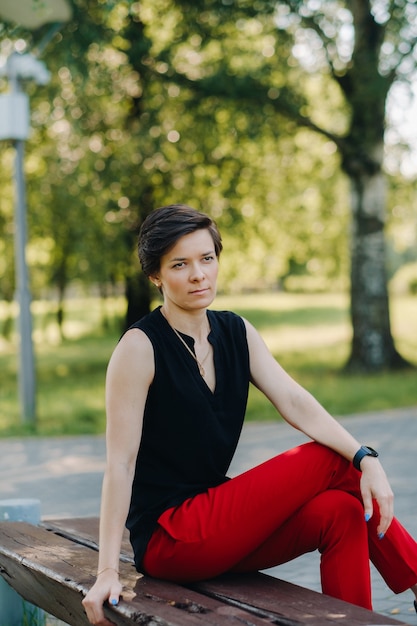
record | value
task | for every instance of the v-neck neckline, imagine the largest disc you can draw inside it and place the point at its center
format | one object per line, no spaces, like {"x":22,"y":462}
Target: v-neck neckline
{"x":191,"y":343}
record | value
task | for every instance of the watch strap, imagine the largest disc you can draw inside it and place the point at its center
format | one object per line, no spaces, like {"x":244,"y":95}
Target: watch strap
{"x":363,"y":451}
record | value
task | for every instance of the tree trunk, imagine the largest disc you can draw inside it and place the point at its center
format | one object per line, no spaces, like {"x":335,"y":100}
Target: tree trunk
{"x":137,"y":285}
{"x":60,"y":313}
{"x":362,"y":149}
{"x":372,"y":344}
{"x":138,"y":296}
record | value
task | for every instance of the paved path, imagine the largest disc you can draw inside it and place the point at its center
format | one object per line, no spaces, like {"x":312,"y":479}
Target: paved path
{"x":65,"y":474}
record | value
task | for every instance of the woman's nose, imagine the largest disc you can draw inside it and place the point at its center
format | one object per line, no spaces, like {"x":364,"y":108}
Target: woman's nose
{"x":196,"y":272}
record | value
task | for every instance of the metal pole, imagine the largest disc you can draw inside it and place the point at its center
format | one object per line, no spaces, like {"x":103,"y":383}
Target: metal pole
{"x":26,"y":361}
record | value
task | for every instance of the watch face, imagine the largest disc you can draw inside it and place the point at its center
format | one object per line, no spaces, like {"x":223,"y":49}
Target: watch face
{"x":370,"y":451}
{"x":362,"y":452}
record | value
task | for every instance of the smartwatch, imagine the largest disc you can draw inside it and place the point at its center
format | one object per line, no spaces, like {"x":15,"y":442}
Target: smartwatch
{"x":363,"y":451}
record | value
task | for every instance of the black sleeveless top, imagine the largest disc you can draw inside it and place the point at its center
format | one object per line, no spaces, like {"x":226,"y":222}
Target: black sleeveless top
{"x":189,"y":433}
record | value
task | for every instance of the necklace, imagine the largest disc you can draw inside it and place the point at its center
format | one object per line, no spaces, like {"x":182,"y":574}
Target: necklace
{"x":199,"y":363}
{"x":185,"y":344}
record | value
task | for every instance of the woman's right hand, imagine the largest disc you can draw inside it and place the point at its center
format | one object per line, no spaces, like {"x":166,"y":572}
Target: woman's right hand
{"x":106,"y":588}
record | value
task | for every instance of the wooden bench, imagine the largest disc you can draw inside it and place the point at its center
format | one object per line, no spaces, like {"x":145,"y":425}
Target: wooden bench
{"x":53,"y":565}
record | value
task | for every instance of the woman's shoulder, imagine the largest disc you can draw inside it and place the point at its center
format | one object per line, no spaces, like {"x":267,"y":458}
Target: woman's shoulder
{"x":133,"y":358}
{"x":150,"y":325}
{"x":149,"y":321}
{"x":227,"y":323}
{"x":134,"y":339}
{"x":225,"y":318}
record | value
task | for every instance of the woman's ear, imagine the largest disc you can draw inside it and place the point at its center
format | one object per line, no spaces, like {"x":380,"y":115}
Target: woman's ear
{"x":155,"y":280}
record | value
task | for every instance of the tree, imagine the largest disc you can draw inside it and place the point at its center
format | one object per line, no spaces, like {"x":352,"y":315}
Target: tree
{"x":212,"y":147}
{"x":363,"y":46}
{"x":220,"y":104}
{"x":120,"y":131}
{"x":378,"y":52}
{"x":85,"y":147}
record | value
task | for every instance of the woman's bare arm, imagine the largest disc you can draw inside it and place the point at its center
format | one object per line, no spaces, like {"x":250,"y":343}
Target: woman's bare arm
{"x":300,"y":409}
{"x":129,"y":375}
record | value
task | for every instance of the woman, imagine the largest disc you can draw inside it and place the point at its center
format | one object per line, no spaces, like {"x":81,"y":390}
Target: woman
{"x":176,"y":393}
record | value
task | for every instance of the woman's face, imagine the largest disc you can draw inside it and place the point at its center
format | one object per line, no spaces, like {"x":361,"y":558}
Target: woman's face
{"x":188,"y":272}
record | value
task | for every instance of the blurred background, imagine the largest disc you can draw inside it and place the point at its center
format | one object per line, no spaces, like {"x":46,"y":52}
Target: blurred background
{"x":292,"y":123}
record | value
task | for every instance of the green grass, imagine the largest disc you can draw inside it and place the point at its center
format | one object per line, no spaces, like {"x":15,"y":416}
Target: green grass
{"x":308,"y":334}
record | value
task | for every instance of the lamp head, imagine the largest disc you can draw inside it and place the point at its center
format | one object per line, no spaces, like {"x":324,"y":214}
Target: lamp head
{"x":33,"y":14}
{"x":20,"y":67}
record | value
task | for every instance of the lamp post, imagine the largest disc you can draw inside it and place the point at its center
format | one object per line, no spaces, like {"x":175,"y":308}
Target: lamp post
{"x":14,"y":126}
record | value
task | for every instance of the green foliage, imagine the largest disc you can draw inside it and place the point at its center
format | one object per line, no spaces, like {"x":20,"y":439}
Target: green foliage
{"x":217,"y":104}
{"x":405,"y":280}
{"x":153,"y":103}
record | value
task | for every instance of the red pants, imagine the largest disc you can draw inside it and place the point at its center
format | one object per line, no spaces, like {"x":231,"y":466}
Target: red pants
{"x":305,"y":499}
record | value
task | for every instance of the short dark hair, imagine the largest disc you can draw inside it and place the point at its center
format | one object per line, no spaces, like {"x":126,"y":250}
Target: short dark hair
{"x":162,"y":228}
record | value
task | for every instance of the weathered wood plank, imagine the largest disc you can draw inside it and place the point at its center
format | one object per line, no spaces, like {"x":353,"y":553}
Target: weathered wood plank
{"x":54,"y":573}
{"x":259,"y":593}
{"x":296,"y":603}
{"x":84,"y":530}
{"x":49,"y":571}
{"x":218,"y":613}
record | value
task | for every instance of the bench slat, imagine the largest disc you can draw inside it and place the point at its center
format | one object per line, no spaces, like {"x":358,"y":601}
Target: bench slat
{"x":54,"y":573}
{"x":296,"y":603}
{"x":85,"y":530}
{"x":259,"y":593}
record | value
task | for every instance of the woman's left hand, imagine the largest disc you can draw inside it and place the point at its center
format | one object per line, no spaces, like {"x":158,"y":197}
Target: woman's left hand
{"x":375,"y":485}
